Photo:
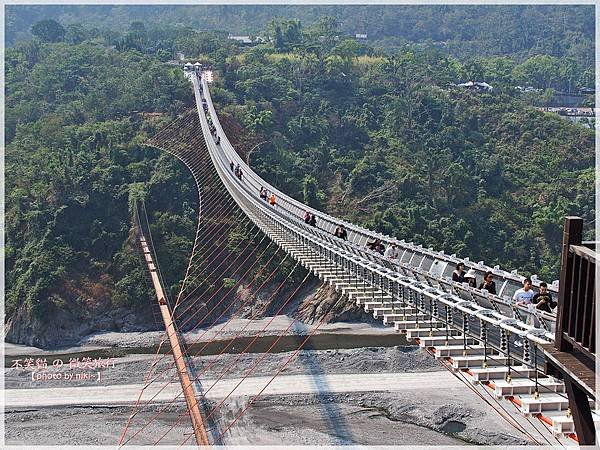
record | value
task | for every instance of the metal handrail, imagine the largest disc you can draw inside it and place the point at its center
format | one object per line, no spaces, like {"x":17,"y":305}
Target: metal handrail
{"x":356,"y":233}
{"x":277,"y":221}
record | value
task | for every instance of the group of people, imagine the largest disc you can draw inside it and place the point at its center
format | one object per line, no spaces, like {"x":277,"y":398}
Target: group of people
{"x":310,"y":219}
{"x":470,"y":278}
{"x":524,"y":296}
{"x":213,"y":131}
{"x":264,"y":195}
{"x":542,"y":300}
{"x":237,"y":170}
{"x":376,"y":246}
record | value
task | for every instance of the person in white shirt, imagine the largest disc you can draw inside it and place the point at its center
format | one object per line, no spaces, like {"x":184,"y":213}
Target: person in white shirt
{"x":524,"y":297}
{"x":392,"y":252}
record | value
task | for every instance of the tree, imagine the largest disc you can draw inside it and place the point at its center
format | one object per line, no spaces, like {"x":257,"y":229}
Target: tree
{"x":310,"y":191}
{"x":292,"y":32}
{"x":498,"y":69}
{"x":568,"y":72}
{"x":541,"y":71}
{"x":279,"y":42}
{"x":48,"y":31}
{"x":472,"y":71}
{"x":348,"y":50}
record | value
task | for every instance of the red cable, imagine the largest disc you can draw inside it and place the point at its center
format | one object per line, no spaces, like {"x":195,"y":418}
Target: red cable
{"x":154,"y":362}
{"x":197,"y":272}
{"x":238,"y":334}
{"x":290,"y":359}
{"x":170,"y":402}
{"x":206,"y":315}
{"x":248,"y":346}
{"x":200,"y":337}
{"x":213,"y":271}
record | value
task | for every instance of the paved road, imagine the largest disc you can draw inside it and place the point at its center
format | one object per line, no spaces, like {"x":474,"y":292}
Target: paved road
{"x":283,"y":384}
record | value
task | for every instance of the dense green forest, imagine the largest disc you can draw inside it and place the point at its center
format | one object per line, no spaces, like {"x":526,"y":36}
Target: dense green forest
{"x":378,"y":137}
{"x":76,"y":116}
{"x":388,"y":143}
{"x":464,"y":31}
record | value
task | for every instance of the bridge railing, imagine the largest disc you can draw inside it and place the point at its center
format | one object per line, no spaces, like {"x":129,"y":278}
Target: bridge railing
{"x":511,"y":281}
{"x":577,"y":321}
{"x":500,"y":332}
{"x":413,"y":259}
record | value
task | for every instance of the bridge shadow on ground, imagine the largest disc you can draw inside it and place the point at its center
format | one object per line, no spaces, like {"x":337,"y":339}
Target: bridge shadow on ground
{"x":332,"y":413}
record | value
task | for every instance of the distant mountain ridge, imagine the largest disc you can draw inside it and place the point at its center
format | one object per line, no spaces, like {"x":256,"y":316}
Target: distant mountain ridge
{"x":558,"y":30}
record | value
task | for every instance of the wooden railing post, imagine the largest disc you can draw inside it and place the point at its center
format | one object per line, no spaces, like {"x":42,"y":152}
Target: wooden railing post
{"x":572,"y":235}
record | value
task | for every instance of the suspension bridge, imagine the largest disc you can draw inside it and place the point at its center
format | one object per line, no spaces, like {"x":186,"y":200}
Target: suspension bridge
{"x":499,"y":349}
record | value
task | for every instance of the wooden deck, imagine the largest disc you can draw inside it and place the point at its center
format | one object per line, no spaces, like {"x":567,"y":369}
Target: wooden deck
{"x":576,"y":368}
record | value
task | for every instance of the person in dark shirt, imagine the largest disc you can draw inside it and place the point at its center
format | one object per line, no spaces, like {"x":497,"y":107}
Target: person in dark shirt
{"x":459,"y":274}
{"x":543,"y":299}
{"x":376,"y":246}
{"x":488,"y":283}
{"x":313,"y":220}
{"x":341,"y":232}
{"x":372,"y":245}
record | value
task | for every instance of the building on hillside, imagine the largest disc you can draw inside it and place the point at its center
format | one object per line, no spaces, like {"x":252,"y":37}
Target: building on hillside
{"x":360,"y":36}
{"x":476,"y":86}
{"x":246,"y":40}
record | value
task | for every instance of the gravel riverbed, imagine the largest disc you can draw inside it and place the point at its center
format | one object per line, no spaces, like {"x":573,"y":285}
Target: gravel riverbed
{"x":428,"y":414}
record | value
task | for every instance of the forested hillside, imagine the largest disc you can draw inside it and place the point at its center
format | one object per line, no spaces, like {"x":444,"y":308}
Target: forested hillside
{"x":388,"y":143}
{"x":461,"y":30}
{"x":378,"y":137}
{"x":76,"y":116}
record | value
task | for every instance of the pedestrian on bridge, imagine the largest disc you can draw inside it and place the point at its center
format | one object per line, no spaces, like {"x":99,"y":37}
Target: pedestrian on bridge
{"x":376,"y":246}
{"x":373,"y":245}
{"x":488,"y":283}
{"x":272,"y":200}
{"x":232,"y":166}
{"x":459,"y":273}
{"x":341,"y":232}
{"x":524,"y":296}
{"x":313,"y":220}
{"x":392,"y":252}
{"x":263,"y":193}
{"x":543,"y":300}
{"x":471,"y":278}
{"x":307,"y":218}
